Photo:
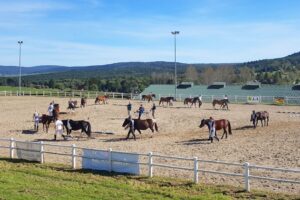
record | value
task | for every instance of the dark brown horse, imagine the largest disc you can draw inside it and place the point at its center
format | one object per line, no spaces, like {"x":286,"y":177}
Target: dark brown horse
{"x":263,"y":116}
{"x":220,"y":124}
{"x":168,"y":100}
{"x":46,"y":121}
{"x":83,"y":102}
{"x":148,"y":97}
{"x":223,"y":103}
{"x":140,"y":124}
{"x":101,"y":98}
{"x":72,"y":105}
{"x":193,"y":101}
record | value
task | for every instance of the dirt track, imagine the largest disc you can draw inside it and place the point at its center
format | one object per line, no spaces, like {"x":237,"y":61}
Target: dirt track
{"x":276,"y":145}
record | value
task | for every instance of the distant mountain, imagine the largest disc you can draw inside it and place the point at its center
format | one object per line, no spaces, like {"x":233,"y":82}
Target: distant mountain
{"x":14,"y":70}
{"x":142,"y":68}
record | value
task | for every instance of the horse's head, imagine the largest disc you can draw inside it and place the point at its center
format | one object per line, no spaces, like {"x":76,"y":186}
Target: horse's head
{"x":126,"y":121}
{"x":203,"y":122}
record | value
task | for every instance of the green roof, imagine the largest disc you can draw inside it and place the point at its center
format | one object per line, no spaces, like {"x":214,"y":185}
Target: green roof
{"x":231,"y":90}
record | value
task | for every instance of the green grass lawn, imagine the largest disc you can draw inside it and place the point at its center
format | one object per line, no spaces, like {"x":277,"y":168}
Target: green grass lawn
{"x":14,"y":89}
{"x":25,"y":180}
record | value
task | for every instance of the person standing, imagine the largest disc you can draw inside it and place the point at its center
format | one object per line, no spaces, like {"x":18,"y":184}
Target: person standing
{"x":58,"y":129}
{"x":212,"y":130}
{"x":131,"y":127}
{"x":141,"y":110}
{"x":36,"y":119}
{"x":129,"y":108}
{"x":153,"y":110}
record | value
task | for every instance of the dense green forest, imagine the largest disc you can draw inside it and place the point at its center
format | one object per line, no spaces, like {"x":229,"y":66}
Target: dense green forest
{"x":135,"y":76}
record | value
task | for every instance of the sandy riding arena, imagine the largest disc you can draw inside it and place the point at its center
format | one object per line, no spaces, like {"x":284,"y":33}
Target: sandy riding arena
{"x":277,"y":145}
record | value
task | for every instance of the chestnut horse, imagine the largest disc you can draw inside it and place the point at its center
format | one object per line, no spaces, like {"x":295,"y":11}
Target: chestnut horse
{"x":101,"y":98}
{"x":140,"y":124}
{"x":148,"y":97}
{"x":220,"y":124}
{"x":223,"y":103}
{"x":166,"y":99}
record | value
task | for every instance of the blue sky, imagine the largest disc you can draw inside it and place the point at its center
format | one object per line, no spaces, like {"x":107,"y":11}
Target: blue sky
{"x":90,"y":32}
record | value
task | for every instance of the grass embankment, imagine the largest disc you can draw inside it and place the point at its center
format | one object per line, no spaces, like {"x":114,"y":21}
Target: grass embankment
{"x":25,"y":180}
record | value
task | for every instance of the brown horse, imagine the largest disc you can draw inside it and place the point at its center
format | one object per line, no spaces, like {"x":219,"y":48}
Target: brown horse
{"x":220,"y":124}
{"x":83,"y":102}
{"x":101,"y":98}
{"x":223,"y":103}
{"x":46,"y":121}
{"x":140,"y":124}
{"x":148,"y":97}
{"x":193,"y":101}
{"x":72,"y":105}
{"x":263,"y":116}
{"x":168,"y":100}
{"x":55,"y":112}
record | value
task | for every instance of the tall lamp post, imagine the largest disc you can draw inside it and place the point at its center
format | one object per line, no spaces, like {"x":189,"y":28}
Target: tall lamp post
{"x":20,"y":45}
{"x":175,"y":77}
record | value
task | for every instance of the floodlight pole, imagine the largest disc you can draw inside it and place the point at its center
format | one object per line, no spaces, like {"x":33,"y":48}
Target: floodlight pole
{"x":175,"y":77}
{"x":20,"y":45}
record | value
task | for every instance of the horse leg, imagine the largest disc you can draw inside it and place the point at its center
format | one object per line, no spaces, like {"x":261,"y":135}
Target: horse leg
{"x":128,"y":135}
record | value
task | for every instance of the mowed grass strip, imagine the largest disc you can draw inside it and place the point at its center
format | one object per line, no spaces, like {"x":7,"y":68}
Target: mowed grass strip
{"x":26,"y":180}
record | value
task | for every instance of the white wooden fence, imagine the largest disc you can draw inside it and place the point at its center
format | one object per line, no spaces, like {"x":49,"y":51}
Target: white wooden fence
{"x":196,"y":163}
{"x":289,"y":100}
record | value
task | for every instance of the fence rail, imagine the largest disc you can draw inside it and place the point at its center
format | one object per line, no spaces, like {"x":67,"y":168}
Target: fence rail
{"x":288,"y":100}
{"x":195,"y":162}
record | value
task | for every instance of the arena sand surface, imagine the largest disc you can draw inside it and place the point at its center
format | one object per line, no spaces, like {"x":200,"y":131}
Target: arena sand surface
{"x":277,"y":145}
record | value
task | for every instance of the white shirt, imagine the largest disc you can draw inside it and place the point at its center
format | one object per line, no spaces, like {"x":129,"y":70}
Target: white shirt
{"x":36,"y":117}
{"x":59,"y":125}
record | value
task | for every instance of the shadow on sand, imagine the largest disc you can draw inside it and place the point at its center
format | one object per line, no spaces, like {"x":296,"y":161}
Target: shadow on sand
{"x":29,"y":132}
{"x":194,"y":141}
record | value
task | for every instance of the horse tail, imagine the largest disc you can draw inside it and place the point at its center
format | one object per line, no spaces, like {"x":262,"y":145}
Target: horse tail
{"x":229,"y":127}
{"x":89,"y":129}
{"x":156,"y":128}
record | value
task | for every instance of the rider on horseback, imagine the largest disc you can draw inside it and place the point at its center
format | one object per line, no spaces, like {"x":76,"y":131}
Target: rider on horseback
{"x":50,"y":109}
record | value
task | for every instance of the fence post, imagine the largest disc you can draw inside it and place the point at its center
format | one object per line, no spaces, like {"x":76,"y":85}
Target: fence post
{"x":43,"y":93}
{"x":10,"y":93}
{"x":73,"y":94}
{"x":246,"y":176}
{"x":110,"y":159}
{"x":212,"y":97}
{"x":42,"y":152}
{"x":130,"y":95}
{"x":122,"y":96}
{"x":73,"y":156}
{"x":235,"y":98}
{"x":150,"y":167}
{"x":5,"y":93}
{"x":113,"y":95}
{"x":23,"y":93}
{"x":12,"y":147}
{"x":88,"y":94}
{"x":286,"y":101}
{"x":30,"y":93}
{"x":196,"y":170}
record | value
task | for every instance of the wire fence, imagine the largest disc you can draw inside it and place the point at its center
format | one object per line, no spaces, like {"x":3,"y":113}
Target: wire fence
{"x":155,"y":162}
